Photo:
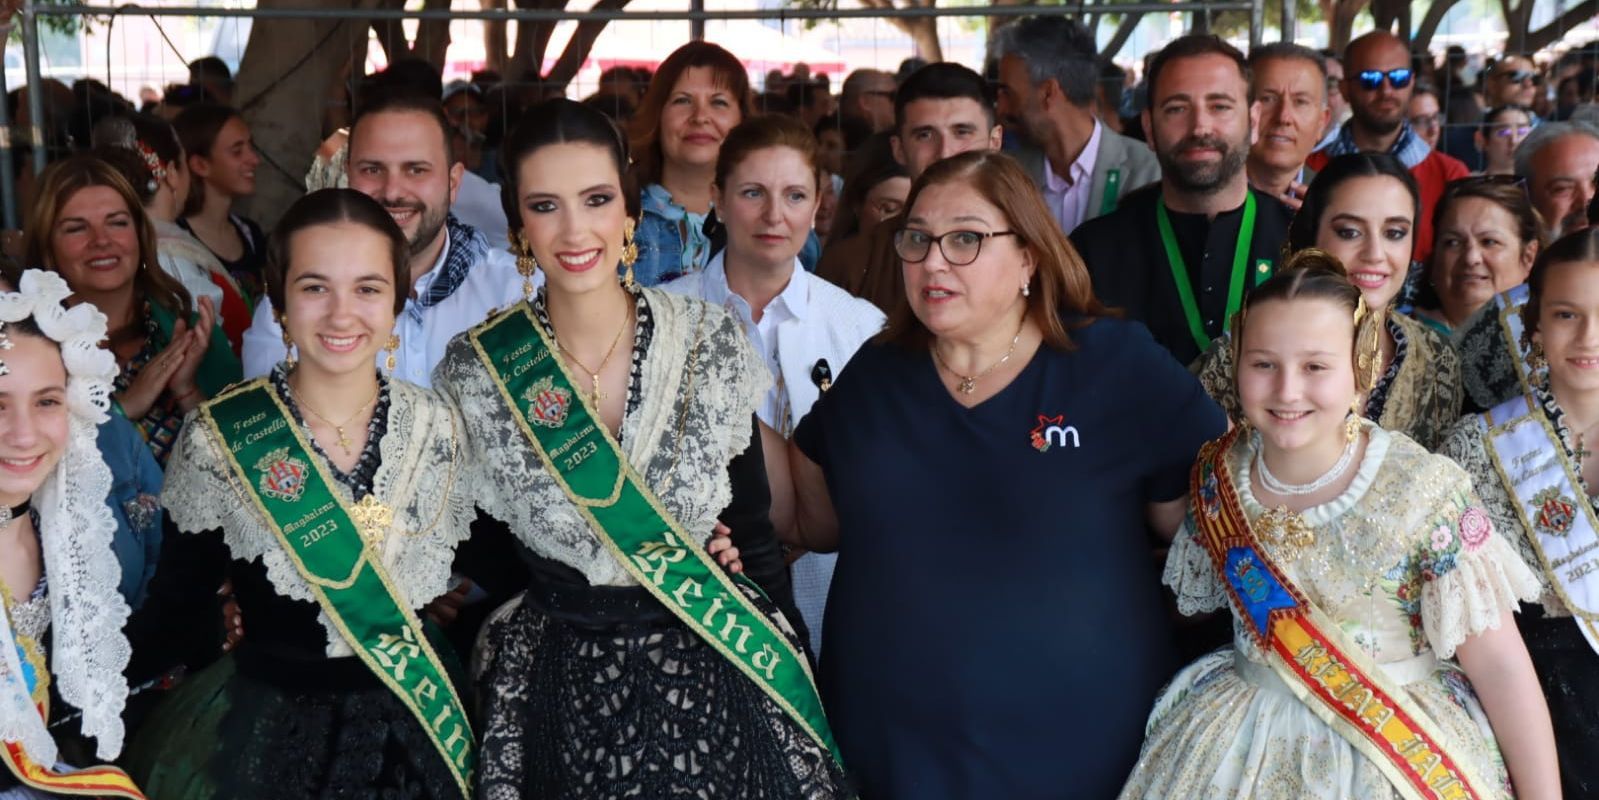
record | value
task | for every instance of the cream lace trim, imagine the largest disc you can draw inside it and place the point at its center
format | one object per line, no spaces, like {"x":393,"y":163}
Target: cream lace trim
{"x":730,"y":379}
{"x":422,"y":477}
{"x":88,"y":649}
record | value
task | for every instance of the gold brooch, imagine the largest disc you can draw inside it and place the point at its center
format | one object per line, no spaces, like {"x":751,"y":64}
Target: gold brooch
{"x":372,"y":519}
{"x":1285,"y":529}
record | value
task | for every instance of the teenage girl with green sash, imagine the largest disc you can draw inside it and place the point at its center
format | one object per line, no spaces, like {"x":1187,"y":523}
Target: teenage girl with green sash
{"x":610,"y":427}
{"x":334,"y":498}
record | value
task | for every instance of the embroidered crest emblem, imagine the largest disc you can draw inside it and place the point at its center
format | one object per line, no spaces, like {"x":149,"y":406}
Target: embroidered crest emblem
{"x":282,"y":475}
{"x":547,"y":404}
{"x":1051,"y":431}
{"x":1555,"y":513}
{"x":1251,"y":581}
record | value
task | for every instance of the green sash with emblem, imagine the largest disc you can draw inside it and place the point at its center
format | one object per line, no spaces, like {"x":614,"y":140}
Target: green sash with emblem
{"x":327,"y":541}
{"x":587,"y":462}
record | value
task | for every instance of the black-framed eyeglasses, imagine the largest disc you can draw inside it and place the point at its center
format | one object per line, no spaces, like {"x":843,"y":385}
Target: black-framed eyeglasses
{"x":959,"y":248}
{"x":1519,"y":76}
{"x":1428,"y":121}
{"x":1371,"y":79}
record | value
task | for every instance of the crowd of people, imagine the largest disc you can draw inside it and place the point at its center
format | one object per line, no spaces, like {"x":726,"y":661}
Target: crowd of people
{"x":586,"y":452}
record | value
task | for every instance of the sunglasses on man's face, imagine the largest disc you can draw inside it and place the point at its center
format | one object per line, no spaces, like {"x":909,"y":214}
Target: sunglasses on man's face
{"x":1371,"y":79}
{"x":1519,"y":76}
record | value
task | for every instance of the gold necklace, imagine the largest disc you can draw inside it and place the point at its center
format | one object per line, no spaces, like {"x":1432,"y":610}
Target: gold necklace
{"x":968,"y":383}
{"x":344,"y":441}
{"x":594,"y":374}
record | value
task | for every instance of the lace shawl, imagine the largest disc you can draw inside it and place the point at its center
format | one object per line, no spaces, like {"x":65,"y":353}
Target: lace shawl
{"x":702,"y":381}
{"x":1467,"y":446}
{"x":87,"y":612}
{"x":422,"y":477}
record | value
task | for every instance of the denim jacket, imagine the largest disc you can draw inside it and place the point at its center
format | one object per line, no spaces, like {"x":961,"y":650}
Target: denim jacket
{"x":134,"y":503}
{"x":662,"y":256}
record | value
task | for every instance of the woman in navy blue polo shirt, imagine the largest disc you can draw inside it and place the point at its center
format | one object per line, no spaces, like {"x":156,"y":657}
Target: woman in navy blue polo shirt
{"x":988,"y":471}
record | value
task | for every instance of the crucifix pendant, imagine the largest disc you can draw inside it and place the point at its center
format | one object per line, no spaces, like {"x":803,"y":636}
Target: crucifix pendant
{"x":598,"y":395}
{"x":344,"y":441}
{"x":1582,"y":452}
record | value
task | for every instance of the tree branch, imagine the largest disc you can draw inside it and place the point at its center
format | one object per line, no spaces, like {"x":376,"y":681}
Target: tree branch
{"x":1124,"y":31}
{"x":1574,"y":16}
{"x":1430,"y":23}
{"x":581,"y":44}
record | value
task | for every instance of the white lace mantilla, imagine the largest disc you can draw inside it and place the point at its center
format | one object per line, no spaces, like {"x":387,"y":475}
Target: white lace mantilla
{"x":87,"y":612}
{"x":422,"y":478}
{"x":728,"y":382}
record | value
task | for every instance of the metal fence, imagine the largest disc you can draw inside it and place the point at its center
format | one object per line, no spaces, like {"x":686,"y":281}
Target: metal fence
{"x":696,"y":15}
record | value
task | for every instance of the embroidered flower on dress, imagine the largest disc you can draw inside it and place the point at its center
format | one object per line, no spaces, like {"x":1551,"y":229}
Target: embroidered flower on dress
{"x":1442,"y":537}
{"x":1475,"y":528}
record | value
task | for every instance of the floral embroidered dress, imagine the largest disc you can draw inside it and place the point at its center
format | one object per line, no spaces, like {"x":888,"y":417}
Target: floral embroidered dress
{"x":1567,"y":666}
{"x":1406,"y":562}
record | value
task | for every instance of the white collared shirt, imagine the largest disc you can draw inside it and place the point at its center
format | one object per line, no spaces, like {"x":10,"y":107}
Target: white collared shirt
{"x":492,"y":283}
{"x":790,"y":304}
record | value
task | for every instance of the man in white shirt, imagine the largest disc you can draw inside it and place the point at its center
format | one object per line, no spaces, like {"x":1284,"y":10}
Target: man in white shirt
{"x":400,"y":156}
{"x":1049,"y":74}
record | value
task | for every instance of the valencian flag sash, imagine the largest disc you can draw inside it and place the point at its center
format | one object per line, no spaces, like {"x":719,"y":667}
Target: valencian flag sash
{"x":1304,"y":647}
{"x":587,"y":462}
{"x":1557,"y":515}
{"x":26,"y":658}
{"x":327,"y":540}
{"x":1507,"y":306}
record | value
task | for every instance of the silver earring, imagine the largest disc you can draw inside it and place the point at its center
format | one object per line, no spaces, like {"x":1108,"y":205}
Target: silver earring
{"x":1026,"y":291}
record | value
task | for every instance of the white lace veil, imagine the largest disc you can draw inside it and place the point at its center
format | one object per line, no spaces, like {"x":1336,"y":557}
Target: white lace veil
{"x":87,"y":613}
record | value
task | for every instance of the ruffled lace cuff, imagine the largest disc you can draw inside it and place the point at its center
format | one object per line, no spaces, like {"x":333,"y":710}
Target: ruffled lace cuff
{"x":1485,"y":582}
{"x":1191,"y":575}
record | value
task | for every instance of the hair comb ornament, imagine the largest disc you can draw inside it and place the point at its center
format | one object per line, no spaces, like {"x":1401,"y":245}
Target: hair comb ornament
{"x":5,"y":344}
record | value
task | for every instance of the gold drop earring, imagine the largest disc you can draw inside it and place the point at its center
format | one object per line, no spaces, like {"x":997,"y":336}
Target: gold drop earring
{"x":288,"y":344}
{"x":629,"y":252}
{"x":391,"y":347}
{"x":526,"y":264}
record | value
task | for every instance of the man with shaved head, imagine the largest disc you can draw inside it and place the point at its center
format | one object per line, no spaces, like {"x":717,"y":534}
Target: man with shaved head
{"x":1378,"y":83}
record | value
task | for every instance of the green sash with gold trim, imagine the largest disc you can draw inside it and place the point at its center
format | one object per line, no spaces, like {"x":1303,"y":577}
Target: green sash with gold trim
{"x":586,"y":460}
{"x":293,"y":491}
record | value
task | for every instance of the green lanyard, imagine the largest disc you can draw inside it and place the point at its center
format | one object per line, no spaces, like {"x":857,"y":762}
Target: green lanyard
{"x":1179,"y":270}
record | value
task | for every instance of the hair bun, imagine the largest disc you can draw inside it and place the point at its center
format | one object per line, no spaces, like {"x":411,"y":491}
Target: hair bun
{"x":1314,"y":258}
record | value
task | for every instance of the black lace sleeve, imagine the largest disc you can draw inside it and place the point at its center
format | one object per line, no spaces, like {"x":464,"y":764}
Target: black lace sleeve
{"x":749,"y":520}
{"x":181,"y":619}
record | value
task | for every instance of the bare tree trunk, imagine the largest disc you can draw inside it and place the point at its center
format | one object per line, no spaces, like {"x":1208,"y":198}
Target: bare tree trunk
{"x":1342,"y":22}
{"x":282,"y":89}
{"x":433,"y":35}
{"x":496,"y":48}
{"x":1518,"y":18}
{"x":922,"y":30}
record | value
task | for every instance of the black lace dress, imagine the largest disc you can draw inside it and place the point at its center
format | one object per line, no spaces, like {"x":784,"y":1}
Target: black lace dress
{"x":277,"y":719}
{"x":589,"y":692}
